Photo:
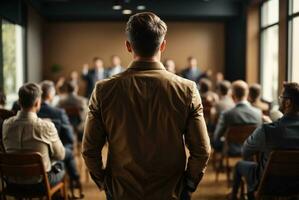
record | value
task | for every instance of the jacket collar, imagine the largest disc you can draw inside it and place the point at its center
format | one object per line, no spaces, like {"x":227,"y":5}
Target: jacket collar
{"x":143,"y":65}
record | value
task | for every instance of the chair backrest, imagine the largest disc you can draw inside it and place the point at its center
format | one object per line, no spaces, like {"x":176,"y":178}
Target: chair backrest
{"x":281,"y":175}
{"x":237,"y":134}
{"x":74,"y":114}
{"x":23,"y":165}
{"x":72,"y":111}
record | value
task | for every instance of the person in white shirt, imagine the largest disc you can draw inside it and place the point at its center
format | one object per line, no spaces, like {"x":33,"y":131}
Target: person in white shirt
{"x":115,"y":66}
{"x":27,"y":132}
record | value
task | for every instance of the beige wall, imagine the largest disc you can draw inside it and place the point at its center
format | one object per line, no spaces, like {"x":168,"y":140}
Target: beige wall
{"x":34,"y":46}
{"x":71,"y":44}
{"x":252,"y":40}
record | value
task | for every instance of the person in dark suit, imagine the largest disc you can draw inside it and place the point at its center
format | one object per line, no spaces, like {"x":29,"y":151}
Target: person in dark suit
{"x":192,"y":72}
{"x":64,"y":128}
{"x":115,"y":66}
{"x":146,"y":114}
{"x":91,"y":76}
{"x":279,"y":135}
{"x":242,"y":113}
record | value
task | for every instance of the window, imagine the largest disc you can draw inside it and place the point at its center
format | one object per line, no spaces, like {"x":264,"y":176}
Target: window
{"x":293,"y":72}
{"x":269,"y":49}
{"x":13,"y":63}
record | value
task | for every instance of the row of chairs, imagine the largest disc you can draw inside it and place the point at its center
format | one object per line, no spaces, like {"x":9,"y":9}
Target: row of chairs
{"x":282,"y":166}
{"x":24,"y":166}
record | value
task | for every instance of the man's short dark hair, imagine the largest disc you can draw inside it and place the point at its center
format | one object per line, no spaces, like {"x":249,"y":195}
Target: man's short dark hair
{"x":291,"y":91}
{"x":223,"y":87}
{"x":96,"y":59}
{"x":47,"y":87}
{"x":145,"y":32}
{"x":255,"y":91}
{"x":205,"y":85}
{"x":70,"y":87}
{"x":28,"y":94}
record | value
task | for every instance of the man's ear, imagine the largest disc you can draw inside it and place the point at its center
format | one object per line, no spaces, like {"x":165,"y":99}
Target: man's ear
{"x":129,"y":47}
{"x":288,"y":103}
{"x":163,"y":46}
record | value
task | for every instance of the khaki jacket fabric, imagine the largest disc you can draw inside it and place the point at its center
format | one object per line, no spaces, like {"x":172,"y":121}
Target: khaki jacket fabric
{"x":27,"y":132}
{"x":147,"y":115}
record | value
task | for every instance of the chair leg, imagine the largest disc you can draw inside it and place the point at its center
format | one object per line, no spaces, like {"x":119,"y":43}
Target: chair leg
{"x":227,"y":171}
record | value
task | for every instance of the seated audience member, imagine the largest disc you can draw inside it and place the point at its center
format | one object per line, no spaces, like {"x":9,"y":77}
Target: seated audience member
{"x":73,"y":100}
{"x":254,"y":98}
{"x":27,"y":132}
{"x":192,"y":71}
{"x":279,"y":135}
{"x":4,"y":114}
{"x":225,"y":100}
{"x":170,"y":65}
{"x":115,"y":67}
{"x":15,"y":107}
{"x":241,"y":113}
{"x":205,"y":87}
{"x":209,"y":99}
{"x":60,"y":91}
{"x":65,"y":131}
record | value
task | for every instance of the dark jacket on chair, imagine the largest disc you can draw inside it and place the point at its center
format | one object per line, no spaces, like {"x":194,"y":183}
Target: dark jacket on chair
{"x":243,"y":113}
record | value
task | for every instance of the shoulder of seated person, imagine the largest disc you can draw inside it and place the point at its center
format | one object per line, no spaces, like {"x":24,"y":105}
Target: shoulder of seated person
{"x":45,"y":123}
{"x":9,"y":120}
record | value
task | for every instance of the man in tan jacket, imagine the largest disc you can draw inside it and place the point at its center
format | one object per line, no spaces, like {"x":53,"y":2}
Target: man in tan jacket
{"x":147,"y":115}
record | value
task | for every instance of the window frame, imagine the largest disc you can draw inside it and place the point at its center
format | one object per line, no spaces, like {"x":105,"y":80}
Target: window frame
{"x":290,"y":18}
{"x":262,"y":29}
{"x":23,"y":52}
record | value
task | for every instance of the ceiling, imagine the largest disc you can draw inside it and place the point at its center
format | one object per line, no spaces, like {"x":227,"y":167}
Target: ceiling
{"x":167,"y":9}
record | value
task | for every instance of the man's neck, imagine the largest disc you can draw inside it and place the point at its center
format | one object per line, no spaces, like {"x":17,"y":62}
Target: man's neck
{"x":29,"y":110}
{"x":155,"y":58}
{"x":47,"y":101}
{"x":241,"y":101}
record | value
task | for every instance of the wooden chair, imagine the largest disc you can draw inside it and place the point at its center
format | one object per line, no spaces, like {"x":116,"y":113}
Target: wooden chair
{"x":24,"y":166}
{"x":236,"y":134}
{"x":281,"y":175}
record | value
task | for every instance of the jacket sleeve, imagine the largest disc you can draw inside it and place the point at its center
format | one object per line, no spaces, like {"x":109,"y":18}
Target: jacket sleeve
{"x":220,"y":128}
{"x":255,"y":143}
{"x":67,"y":129}
{"x":197,"y":141}
{"x":94,"y":139}
{"x":57,"y":148}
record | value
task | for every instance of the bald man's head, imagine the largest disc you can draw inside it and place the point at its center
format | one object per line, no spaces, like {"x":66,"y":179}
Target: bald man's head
{"x":239,"y":90}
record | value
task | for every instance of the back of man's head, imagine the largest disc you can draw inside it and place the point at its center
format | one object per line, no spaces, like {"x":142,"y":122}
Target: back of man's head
{"x":70,"y":87}
{"x":223,"y":87}
{"x":240,"y":90}
{"x":48,"y":89}
{"x":29,"y":93}
{"x":205,"y":85}
{"x":254,"y":92}
{"x":291,"y":91}
{"x":146,"y":32}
